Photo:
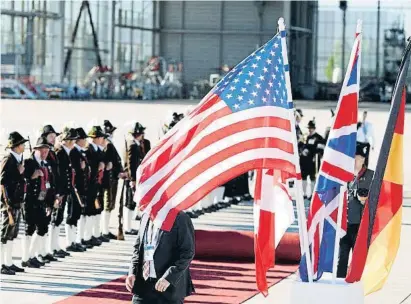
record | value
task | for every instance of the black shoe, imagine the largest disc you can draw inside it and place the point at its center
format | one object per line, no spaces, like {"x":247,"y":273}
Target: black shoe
{"x":87,"y":244}
{"x":110,"y":236}
{"x":42,"y":259}
{"x":6,"y":270}
{"x":57,"y":254}
{"x":16,"y":269}
{"x":61,"y":251}
{"x":103,"y":239}
{"x":138,"y":217}
{"x":37,"y":261}
{"x":95,"y":241}
{"x":50,"y":258}
{"x":29,"y":264}
{"x":80,"y":247}
{"x":73,"y":248}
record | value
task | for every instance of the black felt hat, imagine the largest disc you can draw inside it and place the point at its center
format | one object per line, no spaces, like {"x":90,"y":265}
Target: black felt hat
{"x":311,"y":124}
{"x":96,"y":132}
{"x":69,"y":134}
{"x":81,"y":134}
{"x":108,"y":127}
{"x":41,"y":143}
{"x":300,"y":112}
{"x":48,"y":129}
{"x":138,"y":129}
{"x":361,"y":149}
{"x":15,"y":139}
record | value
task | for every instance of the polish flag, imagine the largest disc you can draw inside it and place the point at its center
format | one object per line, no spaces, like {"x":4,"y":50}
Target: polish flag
{"x":273,"y":214}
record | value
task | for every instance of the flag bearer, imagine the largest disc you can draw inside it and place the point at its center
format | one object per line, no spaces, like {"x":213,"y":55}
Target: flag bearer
{"x":357,"y":196}
{"x":12,"y":196}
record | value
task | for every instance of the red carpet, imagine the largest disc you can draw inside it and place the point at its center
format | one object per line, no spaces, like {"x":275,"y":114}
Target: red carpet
{"x":239,"y":245}
{"x":215,"y":282}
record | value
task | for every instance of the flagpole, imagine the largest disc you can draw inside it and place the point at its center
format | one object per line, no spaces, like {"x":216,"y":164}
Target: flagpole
{"x":338,"y":232}
{"x":302,"y":220}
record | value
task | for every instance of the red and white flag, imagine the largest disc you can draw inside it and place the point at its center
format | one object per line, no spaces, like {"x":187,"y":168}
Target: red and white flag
{"x":273,"y":214}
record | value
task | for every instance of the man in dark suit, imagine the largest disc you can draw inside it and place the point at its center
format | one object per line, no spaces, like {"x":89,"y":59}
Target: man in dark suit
{"x":132,"y":160}
{"x":12,"y":195}
{"x":159,"y":270}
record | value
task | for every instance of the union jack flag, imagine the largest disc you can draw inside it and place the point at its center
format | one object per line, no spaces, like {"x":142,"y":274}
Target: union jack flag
{"x":337,"y":168}
{"x":244,"y":123}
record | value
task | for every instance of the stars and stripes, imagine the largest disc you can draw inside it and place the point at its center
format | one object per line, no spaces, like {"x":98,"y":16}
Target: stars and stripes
{"x":336,"y":170}
{"x":241,"y":125}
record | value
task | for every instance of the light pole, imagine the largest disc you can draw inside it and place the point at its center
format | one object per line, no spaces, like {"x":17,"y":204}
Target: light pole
{"x":343,"y":7}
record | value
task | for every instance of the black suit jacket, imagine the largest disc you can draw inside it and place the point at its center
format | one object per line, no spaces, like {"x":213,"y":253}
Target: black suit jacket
{"x":12,"y":181}
{"x":82,"y":175}
{"x":132,"y":159}
{"x":172,"y":257}
{"x":66,"y":171}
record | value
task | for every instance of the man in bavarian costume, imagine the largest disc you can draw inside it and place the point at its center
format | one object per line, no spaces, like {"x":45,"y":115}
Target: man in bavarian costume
{"x":50,"y":134}
{"x":37,"y":207}
{"x":132,"y":160}
{"x":95,"y":157}
{"x":66,"y":184}
{"x":110,"y":179}
{"x":357,"y":196}
{"x":12,"y":196}
{"x":311,"y":155}
{"x":82,"y":179}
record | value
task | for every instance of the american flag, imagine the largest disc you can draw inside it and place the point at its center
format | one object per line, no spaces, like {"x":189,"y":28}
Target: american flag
{"x":337,"y":168}
{"x":243,"y":123}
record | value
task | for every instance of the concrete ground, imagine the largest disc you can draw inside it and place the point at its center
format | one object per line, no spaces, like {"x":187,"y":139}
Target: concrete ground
{"x":83,"y":271}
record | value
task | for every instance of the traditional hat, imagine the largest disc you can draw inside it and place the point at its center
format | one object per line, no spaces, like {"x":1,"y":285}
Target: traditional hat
{"x":299,"y":112}
{"x":96,"y":132}
{"x":311,"y":124}
{"x":361,"y":149}
{"x":47,"y":129}
{"x":138,"y":129}
{"x":15,"y":139}
{"x":81,"y":134}
{"x":41,"y":143}
{"x":108,"y":127}
{"x":69,"y":134}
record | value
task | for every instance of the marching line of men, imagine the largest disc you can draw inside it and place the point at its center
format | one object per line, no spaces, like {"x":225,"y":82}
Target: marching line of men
{"x":72,"y":176}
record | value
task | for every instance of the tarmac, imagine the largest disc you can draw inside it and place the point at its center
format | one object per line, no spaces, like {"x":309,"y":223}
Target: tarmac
{"x":110,"y":261}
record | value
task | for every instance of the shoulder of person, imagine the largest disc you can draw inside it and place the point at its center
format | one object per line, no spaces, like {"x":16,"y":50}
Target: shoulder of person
{"x":183,"y":217}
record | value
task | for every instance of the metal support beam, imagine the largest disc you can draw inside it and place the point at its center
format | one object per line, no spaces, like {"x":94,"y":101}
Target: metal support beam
{"x":91,"y":49}
{"x":31,"y":14}
{"x":113,"y":34}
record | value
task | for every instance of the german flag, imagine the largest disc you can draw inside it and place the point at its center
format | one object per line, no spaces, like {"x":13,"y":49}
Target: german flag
{"x":378,"y":237}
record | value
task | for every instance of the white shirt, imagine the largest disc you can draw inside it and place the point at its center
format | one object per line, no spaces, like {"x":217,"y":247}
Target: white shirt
{"x":365,"y":133}
{"x":151,"y":238}
{"x":18,"y":157}
{"x":94,"y":146}
{"x":66,"y":149}
{"x":79,"y":148}
{"x":137,"y":142}
{"x":39,"y":160}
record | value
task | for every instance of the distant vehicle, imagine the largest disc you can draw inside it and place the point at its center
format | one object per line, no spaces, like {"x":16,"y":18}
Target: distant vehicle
{"x":15,"y":89}
{"x":55,"y":91}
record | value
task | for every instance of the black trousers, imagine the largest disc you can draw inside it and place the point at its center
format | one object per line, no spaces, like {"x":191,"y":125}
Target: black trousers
{"x":58,"y":214}
{"x":367,"y":156}
{"x":346,"y":245}
{"x":308,"y":169}
{"x":152,"y":296}
{"x":35,"y":217}
{"x":73,"y":210}
{"x":110,"y":194}
{"x":10,"y":230}
{"x":93,"y":206}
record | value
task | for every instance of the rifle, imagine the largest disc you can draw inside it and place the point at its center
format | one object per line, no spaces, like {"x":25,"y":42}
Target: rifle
{"x":120,"y":233}
{"x":31,"y":149}
{"x":10,"y":215}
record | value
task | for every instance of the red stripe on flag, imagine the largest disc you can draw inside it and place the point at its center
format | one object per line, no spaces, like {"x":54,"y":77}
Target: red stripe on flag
{"x":221,"y":179}
{"x":213,"y":160}
{"x":337,"y":172}
{"x":181,"y":143}
{"x":347,"y":114}
{"x":258,"y":184}
{"x":198,"y":110}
